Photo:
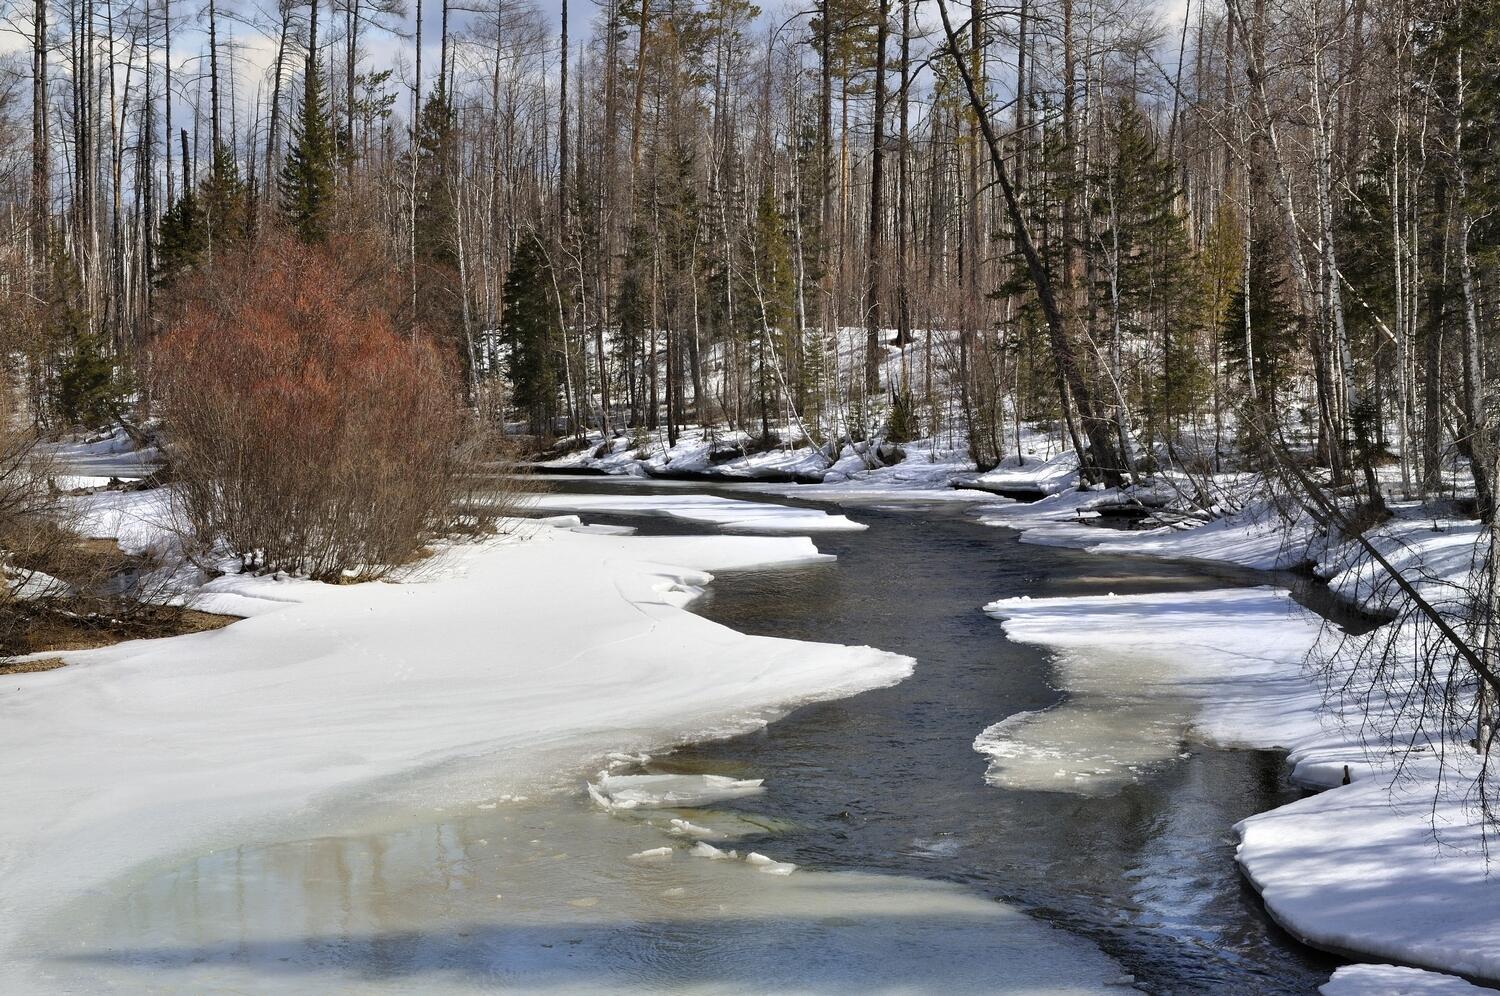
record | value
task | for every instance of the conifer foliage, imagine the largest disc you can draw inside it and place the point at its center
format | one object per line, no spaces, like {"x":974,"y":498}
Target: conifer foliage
{"x":307,"y":176}
{"x":528,"y":333}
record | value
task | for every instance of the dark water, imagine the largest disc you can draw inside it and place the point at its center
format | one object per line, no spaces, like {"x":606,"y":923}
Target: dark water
{"x":889,"y":781}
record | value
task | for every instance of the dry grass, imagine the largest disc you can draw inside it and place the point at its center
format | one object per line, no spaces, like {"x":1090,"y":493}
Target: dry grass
{"x":33,"y":667}
{"x":60,"y":630}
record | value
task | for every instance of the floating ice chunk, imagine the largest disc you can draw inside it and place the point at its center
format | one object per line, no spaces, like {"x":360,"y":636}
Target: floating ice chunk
{"x":653,"y":854}
{"x":1353,"y":980}
{"x":687,"y":829}
{"x":769,"y":865}
{"x":600,"y":529}
{"x":712,"y":853}
{"x":667,"y":791}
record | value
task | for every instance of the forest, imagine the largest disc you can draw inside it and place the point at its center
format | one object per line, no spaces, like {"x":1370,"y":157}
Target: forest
{"x":1155,"y":230}
{"x":1226,"y":272}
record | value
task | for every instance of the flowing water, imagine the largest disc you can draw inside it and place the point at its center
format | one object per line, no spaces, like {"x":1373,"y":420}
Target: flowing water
{"x":883,"y":788}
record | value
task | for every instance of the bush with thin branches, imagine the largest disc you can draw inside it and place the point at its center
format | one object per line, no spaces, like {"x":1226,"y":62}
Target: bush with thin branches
{"x":305,"y":432}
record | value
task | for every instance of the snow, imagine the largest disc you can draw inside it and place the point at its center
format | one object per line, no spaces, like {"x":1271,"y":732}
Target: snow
{"x":539,"y":654}
{"x":139,"y":520}
{"x":1356,"y":869}
{"x":728,"y":513}
{"x":711,"y":452}
{"x":1256,"y":539}
{"x":105,"y":456}
{"x":1394,"y":980}
{"x":1141,"y":670}
{"x":1043,"y":477}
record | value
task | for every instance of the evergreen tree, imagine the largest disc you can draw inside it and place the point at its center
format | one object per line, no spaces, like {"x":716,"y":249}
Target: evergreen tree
{"x":436,"y":211}
{"x":225,"y":201}
{"x":307,"y":174}
{"x":773,"y":292}
{"x":80,"y":385}
{"x":439,"y":292}
{"x":1272,"y":335}
{"x":1143,"y":244}
{"x":528,"y":332}
{"x":182,"y":239}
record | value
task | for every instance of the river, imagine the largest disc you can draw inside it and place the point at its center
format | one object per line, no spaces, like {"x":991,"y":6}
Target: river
{"x":884,"y":782}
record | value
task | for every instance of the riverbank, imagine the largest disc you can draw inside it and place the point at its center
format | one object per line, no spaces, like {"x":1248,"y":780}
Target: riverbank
{"x":501,"y":664}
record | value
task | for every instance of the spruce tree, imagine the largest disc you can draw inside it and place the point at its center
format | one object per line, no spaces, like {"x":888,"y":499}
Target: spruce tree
{"x":528,"y":332}
{"x":307,"y":175}
{"x":181,"y":239}
{"x":1273,"y":326}
{"x":225,"y":200}
{"x":81,"y":387}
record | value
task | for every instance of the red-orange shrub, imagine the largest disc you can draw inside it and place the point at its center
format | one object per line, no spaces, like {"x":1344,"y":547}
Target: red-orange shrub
{"x":305,"y":432}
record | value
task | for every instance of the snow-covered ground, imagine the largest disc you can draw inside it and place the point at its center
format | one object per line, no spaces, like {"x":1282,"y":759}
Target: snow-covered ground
{"x":929,"y":467}
{"x":1393,"y":865}
{"x":480,"y":675}
{"x":536,"y":655}
{"x":1395,"y":980}
{"x":93,"y":460}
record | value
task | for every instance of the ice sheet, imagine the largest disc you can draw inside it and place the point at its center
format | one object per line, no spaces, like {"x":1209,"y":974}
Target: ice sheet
{"x":729,"y":513}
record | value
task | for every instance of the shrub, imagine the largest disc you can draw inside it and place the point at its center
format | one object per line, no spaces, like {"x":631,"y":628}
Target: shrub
{"x":30,"y":536}
{"x":304,"y":431}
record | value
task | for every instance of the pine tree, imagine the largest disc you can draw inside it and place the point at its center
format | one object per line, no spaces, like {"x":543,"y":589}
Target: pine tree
{"x":439,"y":291}
{"x":528,"y":332}
{"x":182,"y":239}
{"x":1143,"y":244}
{"x":81,"y":386}
{"x":436,"y":211}
{"x":225,"y":200}
{"x":771,"y":297}
{"x":307,"y":175}
{"x":1272,"y":337}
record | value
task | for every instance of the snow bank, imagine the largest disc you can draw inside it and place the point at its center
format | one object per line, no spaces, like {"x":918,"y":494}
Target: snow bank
{"x":110,"y":455}
{"x":138,"y":520}
{"x":1355,"y":869}
{"x":508,"y":662}
{"x":717,"y":453}
{"x":1254,"y":538}
{"x":1043,"y":477}
{"x":1141,"y":670}
{"x":746,"y":516}
{"x":1393,"y":980}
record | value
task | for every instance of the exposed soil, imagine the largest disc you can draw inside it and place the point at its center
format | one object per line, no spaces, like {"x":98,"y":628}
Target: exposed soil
{"x":57,"y":629}
{"x":31,"y":667}
{"x":84,"y":622}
